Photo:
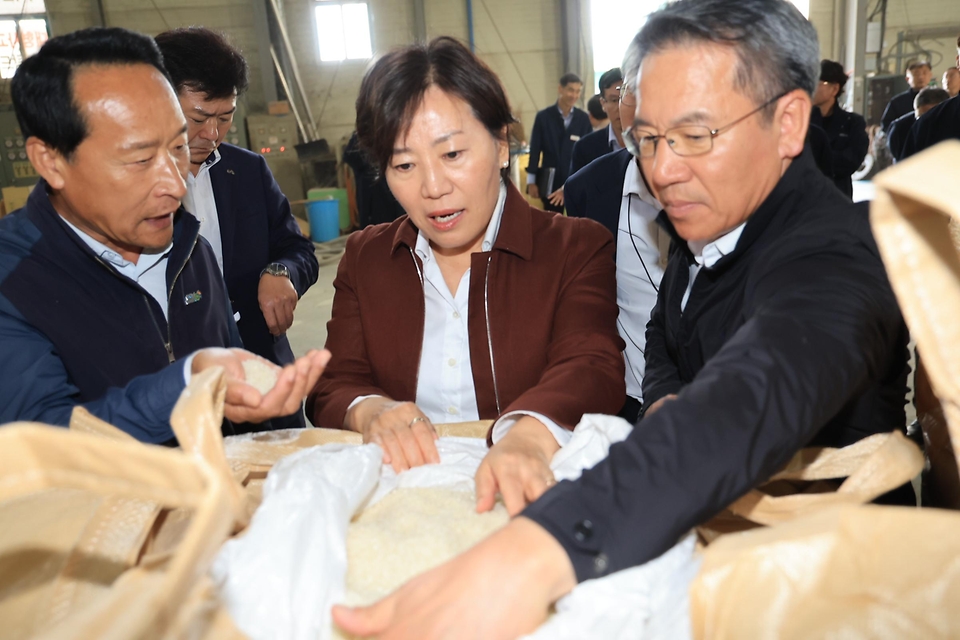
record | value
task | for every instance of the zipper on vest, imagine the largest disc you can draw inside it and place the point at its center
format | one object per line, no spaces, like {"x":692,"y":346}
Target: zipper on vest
{"x":416,"y":384}
{"x":173,"y":283}
{"x":166,"y":343}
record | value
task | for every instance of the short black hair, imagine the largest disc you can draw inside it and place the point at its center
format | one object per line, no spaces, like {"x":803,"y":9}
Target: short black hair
{"x":203,"y":60}
{"x":596,"y":108}
{"x":831,"y":71}
{"x":609,"y":78}
{"x":930,"y":97}
{"x":392,"y":90}
{"x":42,"y":88}
{"x":570,"y":78}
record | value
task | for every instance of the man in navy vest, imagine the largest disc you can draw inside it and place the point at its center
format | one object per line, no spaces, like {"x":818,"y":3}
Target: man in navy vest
{"x":109,"y":297}
{"x":266,"y":262}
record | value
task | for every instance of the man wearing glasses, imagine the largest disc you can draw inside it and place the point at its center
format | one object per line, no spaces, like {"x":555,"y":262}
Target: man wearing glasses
{"x":775,"y":327}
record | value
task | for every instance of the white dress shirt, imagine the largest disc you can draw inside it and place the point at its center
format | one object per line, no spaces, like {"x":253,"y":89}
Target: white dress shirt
{"x":707,"y":255}
{"x":200,"y":202}
{"x":445,"y":387}
{"x":638,"y":272}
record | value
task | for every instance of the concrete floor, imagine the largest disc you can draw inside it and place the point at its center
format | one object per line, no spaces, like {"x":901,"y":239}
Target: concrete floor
{"x":309,"y":330}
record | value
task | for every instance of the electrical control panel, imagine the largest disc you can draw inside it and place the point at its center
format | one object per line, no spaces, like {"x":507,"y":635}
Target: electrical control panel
{"x":273,"y":136}
{"x":15,"y":167}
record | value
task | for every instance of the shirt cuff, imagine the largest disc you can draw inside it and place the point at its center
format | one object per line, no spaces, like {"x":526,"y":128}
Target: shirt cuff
{"x":531,"y":178}
{"x":503,"y":425}
{"x":188,"y":368}
{"x":360,"y":399}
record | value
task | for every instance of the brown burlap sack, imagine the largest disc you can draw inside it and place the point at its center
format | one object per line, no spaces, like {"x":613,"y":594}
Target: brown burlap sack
{"x":865,"y":571}
{"x":75,"y":509}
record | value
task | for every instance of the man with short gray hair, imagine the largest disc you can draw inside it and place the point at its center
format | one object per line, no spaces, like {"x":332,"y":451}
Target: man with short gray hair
{"x":926,"y":100}
{"x":775,"y":327}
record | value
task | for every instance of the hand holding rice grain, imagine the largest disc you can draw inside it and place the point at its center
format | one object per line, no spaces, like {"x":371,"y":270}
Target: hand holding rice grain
{"x":260,"y":375}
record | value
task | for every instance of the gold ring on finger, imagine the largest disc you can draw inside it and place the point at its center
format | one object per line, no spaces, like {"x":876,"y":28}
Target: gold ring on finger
{"x":416,"y":420}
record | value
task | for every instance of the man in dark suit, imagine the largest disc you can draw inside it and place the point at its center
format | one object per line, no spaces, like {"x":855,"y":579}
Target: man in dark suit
{"x":607,"y":139}
{"x":926,"y":100}
{"x":918,"y":77}
{"x":611,"y":190}
{"x":846,"y":131}
{"x":555,"y":130}
{"x":939,"y":124}
{"x":266,"y":262}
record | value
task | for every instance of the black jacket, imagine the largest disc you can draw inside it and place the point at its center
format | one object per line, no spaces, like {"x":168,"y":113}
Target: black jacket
{"x":939,"y":124}
{"x":257,"y":228}
{"x":596,"y":191}
{"x":849,"y":143}
{"x":550,"y":139}
{"x":589,"y":148}
{"x":794,"y":338}
{"x":899,"y":105}
{"x":899,"y":131}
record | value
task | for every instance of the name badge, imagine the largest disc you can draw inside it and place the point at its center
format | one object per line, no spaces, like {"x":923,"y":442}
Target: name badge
{"x":574,"y":138}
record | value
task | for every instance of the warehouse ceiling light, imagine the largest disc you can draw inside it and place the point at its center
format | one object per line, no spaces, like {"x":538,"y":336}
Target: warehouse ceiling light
{"x":343,"y":31}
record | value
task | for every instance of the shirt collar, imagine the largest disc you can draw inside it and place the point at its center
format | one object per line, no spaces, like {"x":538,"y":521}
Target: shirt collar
{"x":489,"y":237}
{"x":633,"y":184}
{"x":106,"y":253}
{"x":612,"y":139}
{"x":710,"y":253}
{"x":211,"y":160}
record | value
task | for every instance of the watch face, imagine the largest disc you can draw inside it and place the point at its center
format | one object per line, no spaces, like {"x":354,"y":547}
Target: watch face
{"x":276,"y":269}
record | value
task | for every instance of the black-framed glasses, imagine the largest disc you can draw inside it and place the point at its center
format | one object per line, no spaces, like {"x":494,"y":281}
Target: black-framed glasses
{"x":685,"y":140}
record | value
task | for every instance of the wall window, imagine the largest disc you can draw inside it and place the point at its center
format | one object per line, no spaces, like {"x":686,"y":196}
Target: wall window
{"x":343,"y":30}
{"x":616,"y":22}
{"x":23,"y":30}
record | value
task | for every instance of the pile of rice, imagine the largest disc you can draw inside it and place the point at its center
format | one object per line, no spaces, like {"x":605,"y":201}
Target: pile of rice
{"x":408,"y":532}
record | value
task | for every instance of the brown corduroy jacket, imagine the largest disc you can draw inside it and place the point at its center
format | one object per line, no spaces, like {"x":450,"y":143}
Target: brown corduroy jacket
{"x":548,"y":287}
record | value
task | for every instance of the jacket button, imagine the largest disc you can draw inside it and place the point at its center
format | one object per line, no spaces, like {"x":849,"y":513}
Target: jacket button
{"x":583,"y":531}
{"x":600,"y":564}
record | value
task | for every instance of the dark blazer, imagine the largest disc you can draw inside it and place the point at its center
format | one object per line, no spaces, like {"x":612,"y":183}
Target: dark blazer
{"x":257,"y":228}
{"x":899,"y":105}
{"x":589,"y":148}
{"x":939,"y":124}
{"x":899,"y":131}
{"x":849,"y":143}
{"x":554,"y":143}
{"x":596,"y":192}
{"x":794,"y":338}
{"x":551,"y":346}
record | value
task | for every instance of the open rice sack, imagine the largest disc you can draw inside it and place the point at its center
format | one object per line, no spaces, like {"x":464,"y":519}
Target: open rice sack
{"x":818,"y":478}
{"x":916,"y":222}
{"x":848,"y":572}
{"x":865,"y":571}
{"x":75,"y":511}
{"x":338,"y":526}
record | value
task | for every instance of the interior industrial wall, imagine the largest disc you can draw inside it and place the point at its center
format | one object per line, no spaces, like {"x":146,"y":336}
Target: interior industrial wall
{"x":521,"y":41}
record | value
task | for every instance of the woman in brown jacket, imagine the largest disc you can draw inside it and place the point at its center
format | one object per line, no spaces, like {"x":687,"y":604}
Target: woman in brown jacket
{"x":474,"y":305}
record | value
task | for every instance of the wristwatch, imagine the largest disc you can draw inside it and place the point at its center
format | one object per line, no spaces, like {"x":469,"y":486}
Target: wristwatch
{"x":276,"y":269}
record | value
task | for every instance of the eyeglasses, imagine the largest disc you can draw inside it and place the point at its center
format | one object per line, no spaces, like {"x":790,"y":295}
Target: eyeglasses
{"x":686,"y":140}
